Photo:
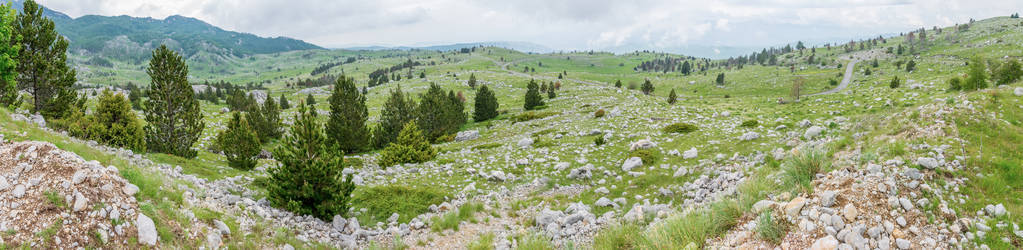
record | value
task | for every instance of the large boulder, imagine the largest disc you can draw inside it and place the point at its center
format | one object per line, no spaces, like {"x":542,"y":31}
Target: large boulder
{"x":813,"y":132}
{"x":690,"y":154}
{"x":1018,"y":91}
{"x":525,"y":142}
{"x":467,"y":135}
{"x":146,"y":230}
{"x":632,"y":163}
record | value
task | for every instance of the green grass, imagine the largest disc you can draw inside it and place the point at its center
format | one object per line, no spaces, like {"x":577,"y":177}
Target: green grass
{"x":622,"y":236}
{"x":483,"y":242}
{"x":799,"y":170}
{"x":55,"y":199}
{"x":535,"y":242}
{"x":650,"y":156}
{"x":532,"y":115}
{"x":47,"y":234}
{"x":679,"y":128}
{"x":771,"y":229}
{"x":382,"y":201}
{"x":452,"y":219}
{"x":695,"y":227}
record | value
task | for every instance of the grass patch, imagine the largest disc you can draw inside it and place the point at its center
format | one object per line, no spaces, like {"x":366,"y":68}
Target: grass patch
{"x":452,"y":219}
{"x":382,"y":201}
{"x":624,"y":236}
{"x":48,"y":233}
{"x":695,"y":227}
{"x":800,"y":169}
{"x":679,"y":128}
{"x":55,"y":199}
{"x":486,"y":146}
{"x":770,"y":229}
{"x":535,"y":242}
{"x":532,"y":115}
{"x":750,"y":124}
{"x":484,"y":242}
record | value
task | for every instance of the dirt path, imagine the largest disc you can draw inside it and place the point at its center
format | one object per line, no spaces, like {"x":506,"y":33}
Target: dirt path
{"x":845,"y":80}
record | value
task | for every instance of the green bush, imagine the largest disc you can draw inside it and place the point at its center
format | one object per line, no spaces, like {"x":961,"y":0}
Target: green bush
{"x":113,"y":123}
{"x":955,"y":84}
{"x":649,"y":156}
{"x":407,"y":202}
{"x":750,"y":124}
{"x":532,"y":115}
{"x":599,"y":113}
{"x":599,"y":140}
{"x":411,"y":147}
{"x":239,"y":143}
{"x":679,"y":128}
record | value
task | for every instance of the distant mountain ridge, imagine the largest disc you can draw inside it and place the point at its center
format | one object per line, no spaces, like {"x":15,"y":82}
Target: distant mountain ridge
{"x":133,"y":38}
{"x":526,"y":47}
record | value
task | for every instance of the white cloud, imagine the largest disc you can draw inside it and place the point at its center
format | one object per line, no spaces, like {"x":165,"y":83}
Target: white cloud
{"x":567,"y":24}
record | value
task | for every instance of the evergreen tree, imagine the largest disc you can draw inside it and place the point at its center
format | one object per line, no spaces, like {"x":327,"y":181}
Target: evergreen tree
{"x":411,"y":147}
{"x":398,"y":110}
{"x":910,"y":66}
{"x":533,"y":98}
{"x":239,"y":142}
{"x":348,"y":115}
{"x":284,"y":103}
{"x":310,"y":100}
{"x":686,"y":68}
{"x":8,"y":58}
{"x":42,"y":63}
{"x":618,"y":83}
{"x":486,"y":104}
{"x":440,"y":114}
{"x":721,"y":78}
{"x":135,"y":96}
{"x":977,"y":78}
{"x":672,"y":97}
{"x":173,"y":118}
{"x":266,"y":121}
{"x":309,"y":178}
{"x":648,"y":87}
{"x":550,"y":92}
{"x":472,"y":80}
{"x":895,"y":83}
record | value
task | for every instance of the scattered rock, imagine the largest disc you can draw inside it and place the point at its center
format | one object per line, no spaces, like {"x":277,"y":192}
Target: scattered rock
{"x":603,"y":202}
{"x":467,"y":135}
{"x":827,"y":243}
{"x":928,"y":162}
{"x":813,"y":132}
{"x":1018,"y":91}
{"x":631,"y":163}
{"x":525,"y":142}
{"x":794,"y":206}
{"x":642,"y":144}
{"x":850,"y":212}
{"x":223,"y":228}
{"x":146,"y":230}
{"x":749,"y":136}
{"x":690,"y":154}
{"x":828,"y":198}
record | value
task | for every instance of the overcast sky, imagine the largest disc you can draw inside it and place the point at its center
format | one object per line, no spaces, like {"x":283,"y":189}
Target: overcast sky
{"x":559,"y":24}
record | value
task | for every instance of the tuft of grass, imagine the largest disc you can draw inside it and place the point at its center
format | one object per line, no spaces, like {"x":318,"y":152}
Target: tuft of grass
{"x":599,"y":140}
{"x":623,"y":236}
{"x":800,"y":169}
{"x":770,"y":229}
{"x":695,"y":227}
{"x":535,"y":242}
{"x":679,"y":128}
{"x":48,"y":233}
{"x":452,"y":219}
{"x":55,"y":199}
{"x":408,"y":202}
{"x":484,"y":242}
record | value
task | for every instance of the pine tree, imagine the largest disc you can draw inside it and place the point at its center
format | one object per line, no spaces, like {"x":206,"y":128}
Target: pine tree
{"x":618,"y":83}
{"x":284,"y":103}
{"x":672,"y":97}
{"x":266,"y":121}
{"x":42,"y":63}
{"x":472,"y":80}
{"x":533,"y":98}
{"x":550,"y":92}
{"x":398,"y":110}
{"x":135,"y":96}
{"x":310,"y":100}
{"x":173,"y":118}
{"x":910,"y":66}
{"x":411,"y":147}
{"x":239,"y":142}
{"x":309,"y":178}
{"x":348,"y":116}
{"x":895,"y":83}
{"x":8,"y":58}
{"x":486,"y":104}
{"x":721,"y":78}
{"x":648,"y":87}
{"x":440,"y":114}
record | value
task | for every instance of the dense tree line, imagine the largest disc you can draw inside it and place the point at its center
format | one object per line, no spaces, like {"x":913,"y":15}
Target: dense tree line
{"x":323,"y":80}
{"x":323,"y":68}
{"x":669,"y":64}
{"x":381,"y":76}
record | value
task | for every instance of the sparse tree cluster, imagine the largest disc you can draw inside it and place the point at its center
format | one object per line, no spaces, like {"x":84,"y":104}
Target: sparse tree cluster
{"x":112,"y":123}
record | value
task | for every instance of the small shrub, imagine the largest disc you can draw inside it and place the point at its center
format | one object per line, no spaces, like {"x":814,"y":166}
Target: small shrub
{"x":832,"y":82}
{"x":679,"y":128}
{"x":955,"y":84}
{"x":599,"y":141}
{"x":55,"y":199}
{"x":599,"y":113}
{"x":750,"y":124}
{"x":649,"y":156}
{"x":113,"y":123}
{"x":411,"y":147}
{"x":452,"y":219}
{"x":532,"y":115}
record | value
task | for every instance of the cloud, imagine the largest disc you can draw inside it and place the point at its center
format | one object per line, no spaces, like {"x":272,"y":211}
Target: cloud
{"x":565,"y":24}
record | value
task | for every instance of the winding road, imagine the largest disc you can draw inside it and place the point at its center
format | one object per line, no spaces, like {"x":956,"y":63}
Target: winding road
{"x":845,"y":80}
